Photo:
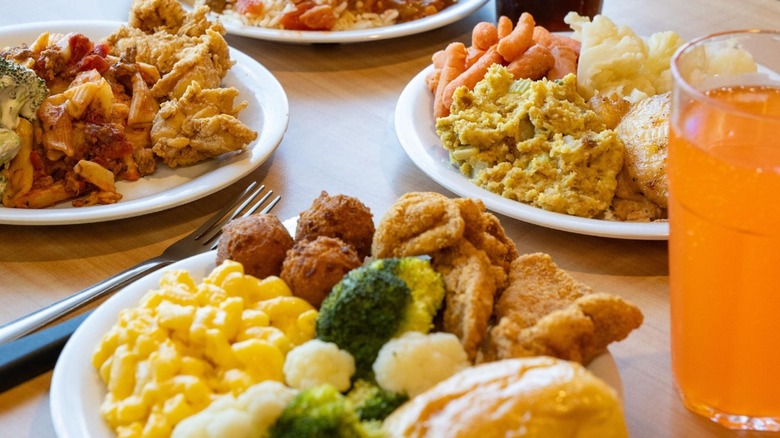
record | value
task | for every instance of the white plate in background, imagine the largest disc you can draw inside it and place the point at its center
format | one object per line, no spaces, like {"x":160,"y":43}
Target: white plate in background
{"x":416,"y":130}
{"x":267,"y":113}
{"x":447,"y":16}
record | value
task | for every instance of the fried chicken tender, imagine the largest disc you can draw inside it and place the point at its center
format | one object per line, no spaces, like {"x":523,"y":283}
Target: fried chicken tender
{"x":340,"y":216}
{"x":202,"y":124}
{"x":544,"y":311}
{"x":470,"y":286}
{"x":418,"y":223}
{"x":184,"y":47}
{"x":259,"y":242}
{"x":467,"y":245}
{"x":312,"y":267}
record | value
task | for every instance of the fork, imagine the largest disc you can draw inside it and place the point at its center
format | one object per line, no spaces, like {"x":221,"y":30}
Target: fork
{"x":205,"y":238}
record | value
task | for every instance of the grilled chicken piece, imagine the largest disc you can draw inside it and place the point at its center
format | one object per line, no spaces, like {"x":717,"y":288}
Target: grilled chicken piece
{"x":644,"y":131}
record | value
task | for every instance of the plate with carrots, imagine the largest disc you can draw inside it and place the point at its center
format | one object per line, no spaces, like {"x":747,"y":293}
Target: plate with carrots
{"x":534,"y":52}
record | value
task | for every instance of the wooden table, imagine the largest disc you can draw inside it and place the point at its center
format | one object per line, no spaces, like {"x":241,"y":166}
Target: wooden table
{"x":341,"y":139}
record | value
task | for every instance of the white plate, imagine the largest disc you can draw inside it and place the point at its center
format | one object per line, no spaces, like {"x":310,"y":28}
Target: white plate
{"x":449,"y":15}
{"x":267,"y":113}
{"x":77,"y":391}
{"x":415,"y":127}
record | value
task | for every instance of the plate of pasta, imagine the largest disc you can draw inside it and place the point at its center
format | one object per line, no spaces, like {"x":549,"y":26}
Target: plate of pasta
{"x":349,"y":27}
{"x":415,"y":128}
{"x":266,"y":112}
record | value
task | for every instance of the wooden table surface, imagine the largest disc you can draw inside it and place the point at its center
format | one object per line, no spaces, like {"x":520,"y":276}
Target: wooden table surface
{"x":341,"y":138}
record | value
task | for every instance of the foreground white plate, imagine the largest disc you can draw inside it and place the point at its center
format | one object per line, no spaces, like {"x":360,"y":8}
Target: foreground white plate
{"x":76,"y":389}
{"x":267,"y":113}
{"x":415,"y":127}
{"x":449,"y":15}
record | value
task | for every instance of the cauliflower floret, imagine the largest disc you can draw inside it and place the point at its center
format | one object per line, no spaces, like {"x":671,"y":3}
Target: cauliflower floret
{"x":433,"y":357}
{"x":250,"y":415}
{"x":316,"y":363}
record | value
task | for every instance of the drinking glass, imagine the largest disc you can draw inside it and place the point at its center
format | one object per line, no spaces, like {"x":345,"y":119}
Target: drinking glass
{"x":724,"y":216}
{"x":548,"y":13}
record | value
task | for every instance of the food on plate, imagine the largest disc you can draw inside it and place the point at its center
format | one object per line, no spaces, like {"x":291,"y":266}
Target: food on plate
{"x":322,"y":411}
{"x":414,"y":341}
{"x":199,"y":125}
{"x":533,"y":397}
{"x":376,"y":302}
{"x":433,"y":356}
{"x":247,"y":415}
{"x":644,"y":131}
{"x":259,"y":242}
{"x":546,"y":312}
{"x":187,"y":343}
{"x":467,"y":245}
{"x":535,"y":142}
{"x":526,"y":50}
{"x":341,"y":216}
{"x":321,"y":15}
{"x":315,"y":363}
{"x":614,"y":60}
{"x":112,"y":109}
{"x":312,"y":267}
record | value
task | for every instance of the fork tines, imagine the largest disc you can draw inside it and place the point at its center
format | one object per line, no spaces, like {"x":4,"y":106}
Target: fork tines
{"x":249,"y":203}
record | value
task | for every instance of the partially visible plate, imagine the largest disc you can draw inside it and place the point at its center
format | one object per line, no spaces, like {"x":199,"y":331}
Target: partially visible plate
{"x":415,"y":127}
{"x":449,"y":15}
{"x":267,"y":113}
{"x":77,"y":391}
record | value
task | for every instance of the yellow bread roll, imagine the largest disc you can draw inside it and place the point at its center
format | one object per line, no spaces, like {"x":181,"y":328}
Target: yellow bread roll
{"x":529,"y":397}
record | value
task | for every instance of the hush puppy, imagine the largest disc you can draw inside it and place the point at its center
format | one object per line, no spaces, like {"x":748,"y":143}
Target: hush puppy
{"x":339,"y":216}
{"x":313,"y":267}
{"x":259,"y":242}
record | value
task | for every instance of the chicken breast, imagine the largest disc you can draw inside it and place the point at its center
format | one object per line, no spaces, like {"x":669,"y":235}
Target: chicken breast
{"x":645,"y":133}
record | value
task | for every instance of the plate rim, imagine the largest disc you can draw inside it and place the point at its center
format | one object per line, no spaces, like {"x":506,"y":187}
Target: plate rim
{"x":275,"y":116}
{"x":410,"y":128}
{"x":64,"y":394}
{"x":449,"y":15}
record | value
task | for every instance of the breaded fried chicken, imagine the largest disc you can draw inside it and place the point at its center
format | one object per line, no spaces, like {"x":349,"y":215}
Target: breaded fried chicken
{"x":468,"y":247}
{"x":340,"y":216}
{"x":544,"y":311}
{"x":202,"y":124}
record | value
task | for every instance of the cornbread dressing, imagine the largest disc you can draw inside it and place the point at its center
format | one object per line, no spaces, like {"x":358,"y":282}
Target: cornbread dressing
{"x":536,"y":142}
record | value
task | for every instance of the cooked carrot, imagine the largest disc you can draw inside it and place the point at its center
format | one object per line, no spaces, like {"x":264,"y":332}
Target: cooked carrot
{"x":454,"y":66}
{"x":533,"y":64}
{"x":519,"y":40}
{"x":472,"y":55}
{"x":504,"y":26}
{"x":470,"y":77}
{"x":484,"y":35}
{"x":438,"y":59}
{"x":565,"y":62}
{"x":543,"y":36}
{"x":560,"y":40}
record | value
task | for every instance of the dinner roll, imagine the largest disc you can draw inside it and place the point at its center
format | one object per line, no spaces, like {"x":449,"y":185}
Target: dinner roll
{"x":530,"y":397}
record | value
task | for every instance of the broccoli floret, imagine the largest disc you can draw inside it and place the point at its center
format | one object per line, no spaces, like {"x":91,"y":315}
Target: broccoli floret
{"x":362,"y":312}
{"x":21,"y":93}
{"x":376,"y":302}
{"x":322,"y":411}
{"x":372,"y":402}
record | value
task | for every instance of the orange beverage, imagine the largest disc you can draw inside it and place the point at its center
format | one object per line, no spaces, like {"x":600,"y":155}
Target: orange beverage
{"x":724,"y":252}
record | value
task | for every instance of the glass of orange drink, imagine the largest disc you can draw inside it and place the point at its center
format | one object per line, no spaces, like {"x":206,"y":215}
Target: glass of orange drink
{"x":724,"y":216}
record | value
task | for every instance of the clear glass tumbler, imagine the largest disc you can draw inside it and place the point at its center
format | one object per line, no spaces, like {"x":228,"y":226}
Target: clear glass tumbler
{"x":724,"y":215}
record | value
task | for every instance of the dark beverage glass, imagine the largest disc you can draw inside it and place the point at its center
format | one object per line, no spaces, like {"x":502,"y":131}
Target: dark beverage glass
{"x":548,"y":13}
